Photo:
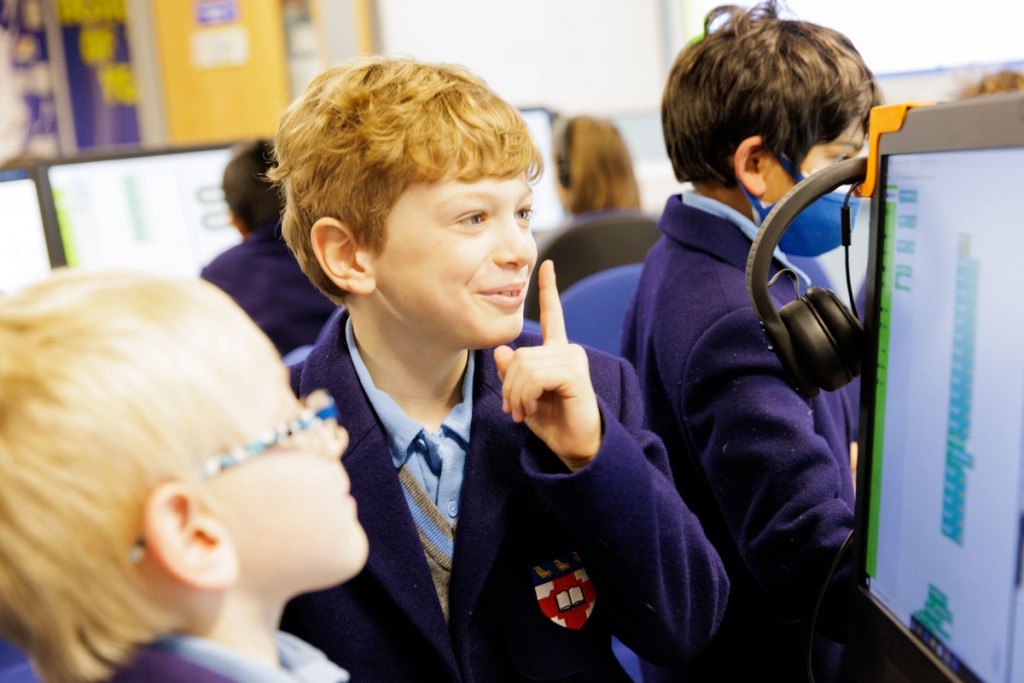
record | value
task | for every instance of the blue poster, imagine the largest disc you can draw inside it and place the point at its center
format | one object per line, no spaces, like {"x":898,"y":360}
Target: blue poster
{"x":28,"y":112}
{"x":99,"y":71}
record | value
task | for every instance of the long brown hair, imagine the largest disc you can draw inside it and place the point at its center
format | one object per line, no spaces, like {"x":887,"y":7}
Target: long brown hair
{"x":594,"y":166}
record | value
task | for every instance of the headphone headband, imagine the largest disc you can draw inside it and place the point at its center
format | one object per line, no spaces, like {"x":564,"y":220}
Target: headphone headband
{"x":759,"y":263}
{"x":562,"y":144}
{"x":778,"y":219}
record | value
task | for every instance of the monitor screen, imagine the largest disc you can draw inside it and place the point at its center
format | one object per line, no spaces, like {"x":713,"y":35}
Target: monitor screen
{"x":158,"y":210}
{"x":24,"y":257}
{"x":941,"y":508}
{"x":547,"y":209}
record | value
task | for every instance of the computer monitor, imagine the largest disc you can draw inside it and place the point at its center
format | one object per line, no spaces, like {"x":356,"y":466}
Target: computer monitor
{"x":938,"y":591}
{"x":24,"y":255}
{"x":158,"y":210}
{"x":547,"y":208}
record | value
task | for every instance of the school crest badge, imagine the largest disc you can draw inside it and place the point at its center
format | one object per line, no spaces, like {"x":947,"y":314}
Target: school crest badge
{"x":565,"y":593}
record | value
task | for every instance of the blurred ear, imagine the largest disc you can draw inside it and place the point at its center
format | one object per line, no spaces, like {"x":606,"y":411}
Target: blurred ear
{"x":191,"y":545}
{"x":750,"y":163}
{"x":341,"y":257}
{"x":238,"y":225}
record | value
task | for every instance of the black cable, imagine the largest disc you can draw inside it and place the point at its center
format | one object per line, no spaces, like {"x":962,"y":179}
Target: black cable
{"x":847,"y":230}
{"x":821,"y":597}
{"x":846,"y":238}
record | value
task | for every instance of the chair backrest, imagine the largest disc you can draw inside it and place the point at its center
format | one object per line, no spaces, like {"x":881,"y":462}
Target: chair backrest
{"x":595,"y":307}
{"x":584,"y":248}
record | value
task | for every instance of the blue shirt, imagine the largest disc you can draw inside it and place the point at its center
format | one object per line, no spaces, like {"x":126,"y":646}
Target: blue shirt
{"x":300,"y":661}
{"x":437,"y":459}
{"x":744,"y":223}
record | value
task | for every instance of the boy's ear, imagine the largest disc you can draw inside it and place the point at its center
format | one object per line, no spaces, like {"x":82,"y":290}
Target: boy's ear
{"x":238,"y":225}
{"x":340,"y":256}
{"x":749,"y":164}
{"x":191,"y":545}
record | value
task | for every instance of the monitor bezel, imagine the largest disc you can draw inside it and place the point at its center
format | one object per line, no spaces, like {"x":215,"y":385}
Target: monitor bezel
{"x":881,"y":647}
{"x":549,"y":176}
{"x":51,"y":231}
{"x":49,"y":209}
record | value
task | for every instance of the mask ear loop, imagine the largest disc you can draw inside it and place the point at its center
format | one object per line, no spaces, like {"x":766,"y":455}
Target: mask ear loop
{"x":796,"y":280}
{"x":847,"y":230}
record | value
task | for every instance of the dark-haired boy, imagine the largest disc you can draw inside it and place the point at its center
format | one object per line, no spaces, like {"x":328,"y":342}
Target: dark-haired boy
{"x":749,"y":108}
{"x":261,"y":274}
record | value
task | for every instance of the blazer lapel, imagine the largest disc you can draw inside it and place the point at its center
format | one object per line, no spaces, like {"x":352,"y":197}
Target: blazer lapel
{"x":396,"y":557}
{"x":492,"y":464}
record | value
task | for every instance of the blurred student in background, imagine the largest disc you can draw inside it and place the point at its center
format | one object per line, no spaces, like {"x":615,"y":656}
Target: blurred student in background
{"x":164,"y":493}
{"x":748,"y":110}
{"x":593,"y":167}
{"x":597,"y":187}
{"x":1005,"y":80}
{"x":261,"y":274}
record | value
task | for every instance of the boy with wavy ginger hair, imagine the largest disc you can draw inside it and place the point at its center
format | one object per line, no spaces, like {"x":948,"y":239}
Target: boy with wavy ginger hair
{"x":756,"y":103}
{"x":518,"y":515}
{"x":163,"y":490}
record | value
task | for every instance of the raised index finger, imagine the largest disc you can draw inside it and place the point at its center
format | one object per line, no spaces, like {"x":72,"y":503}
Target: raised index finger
{"x":552,"y":321}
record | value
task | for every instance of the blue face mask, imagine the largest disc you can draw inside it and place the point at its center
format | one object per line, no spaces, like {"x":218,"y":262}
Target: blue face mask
{"x":818,"y":228}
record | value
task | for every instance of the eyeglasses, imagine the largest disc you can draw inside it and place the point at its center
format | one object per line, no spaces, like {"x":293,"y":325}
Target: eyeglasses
{"x":319,"y":407}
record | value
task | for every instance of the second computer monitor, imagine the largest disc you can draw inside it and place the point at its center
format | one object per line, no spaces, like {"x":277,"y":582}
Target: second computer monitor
{"x":547,"y":208}
{"x":24,"y":256}
{"x":159,"y":210}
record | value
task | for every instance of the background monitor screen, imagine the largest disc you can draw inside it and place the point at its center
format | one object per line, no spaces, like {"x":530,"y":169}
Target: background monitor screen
{"x":942,"y":512}
{"x":24,"y":257}
{"x":162,"y":211}
{"x":547,"y":209}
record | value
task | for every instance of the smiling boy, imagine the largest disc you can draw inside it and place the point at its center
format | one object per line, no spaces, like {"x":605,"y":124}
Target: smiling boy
{"x":518,"y":515}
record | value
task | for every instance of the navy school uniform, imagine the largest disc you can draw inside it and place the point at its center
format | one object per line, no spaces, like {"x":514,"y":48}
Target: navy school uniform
{"x":651,"y":577}
{"x":263,"y":277}
{"x":194,"y":659}
{"x":158,"y":666}
{"x":765,"y":469}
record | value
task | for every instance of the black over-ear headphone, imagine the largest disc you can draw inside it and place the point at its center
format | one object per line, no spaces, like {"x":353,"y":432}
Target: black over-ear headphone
{"x":817,"y":338}
{"x":562,"y":142}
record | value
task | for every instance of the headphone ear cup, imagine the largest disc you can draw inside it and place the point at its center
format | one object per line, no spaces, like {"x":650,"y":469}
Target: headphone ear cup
{"x":827,"y":339}
{"x":563,"y":140}
{"x":562,"y":164}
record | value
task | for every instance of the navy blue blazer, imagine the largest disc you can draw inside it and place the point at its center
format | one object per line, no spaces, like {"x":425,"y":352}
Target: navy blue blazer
{"x":765,"y":469}
{"x":263,"y":277}
{"x":660,"y":586}
{"x":152,"y":665}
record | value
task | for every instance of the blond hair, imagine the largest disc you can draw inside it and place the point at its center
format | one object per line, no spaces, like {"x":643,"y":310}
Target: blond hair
{"x":110,"y":383}
{"x":364,"y":130}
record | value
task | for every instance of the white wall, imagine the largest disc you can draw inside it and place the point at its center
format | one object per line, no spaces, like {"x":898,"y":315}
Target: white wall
{"x":602,"y":57}
{"x":611,"y":57}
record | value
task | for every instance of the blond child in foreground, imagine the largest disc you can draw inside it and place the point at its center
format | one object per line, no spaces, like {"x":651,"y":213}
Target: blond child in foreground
{"x":163,"y":491}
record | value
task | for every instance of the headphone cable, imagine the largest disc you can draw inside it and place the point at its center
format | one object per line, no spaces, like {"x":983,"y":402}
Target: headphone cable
{"x":820,"y":599}
{"x":847,"y":231}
